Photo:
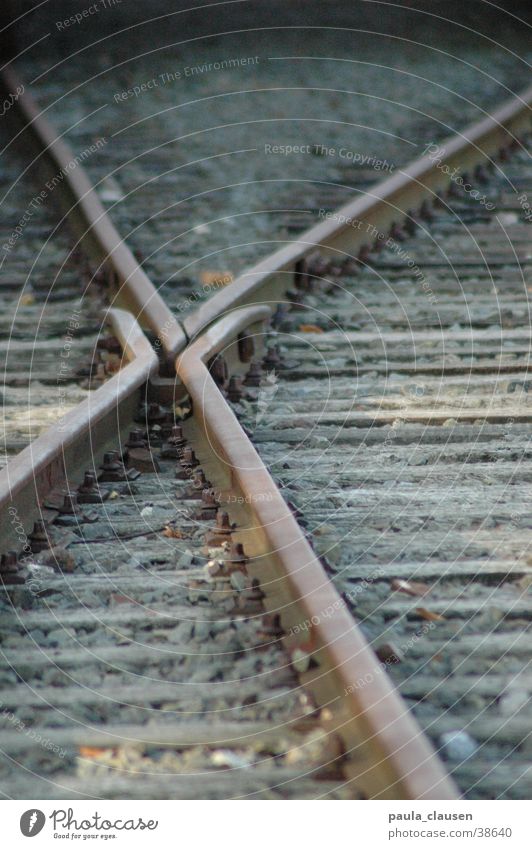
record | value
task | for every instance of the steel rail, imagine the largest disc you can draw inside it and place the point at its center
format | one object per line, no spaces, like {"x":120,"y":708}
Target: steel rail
{"x":66,"y":449}
{"x":135,"y":291}
{"x":391,"y":202}
{"x":391,"y":756}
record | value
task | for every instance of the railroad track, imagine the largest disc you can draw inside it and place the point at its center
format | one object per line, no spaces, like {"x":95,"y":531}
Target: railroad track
{"x":160,"y":643}
{"x":398,"y":426}
{"x":49,"y":319}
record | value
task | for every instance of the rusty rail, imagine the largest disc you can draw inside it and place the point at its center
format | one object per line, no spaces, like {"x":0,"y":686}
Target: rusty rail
{"x":134,"y":289}
{"x":392,"y":201}
{"x":67,"y":448}
{"x":390,"y":755}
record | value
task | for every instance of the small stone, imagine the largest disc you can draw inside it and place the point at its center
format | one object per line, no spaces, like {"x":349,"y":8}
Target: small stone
{"x":212,"y":569}
{"x":37,"y":570}
{"x":232,"y":760}
{"x":513,"y":701}
{"x":300,"y":660}
{"x":412,"y":588}
{"x":60,"y":636}
{"x":202,"y":630}
{"x":238,"y":581}
{"x":322,"y":530}
{"x":457,"y":745}
{"x":186,"y":559}
{"x":60,"y":560}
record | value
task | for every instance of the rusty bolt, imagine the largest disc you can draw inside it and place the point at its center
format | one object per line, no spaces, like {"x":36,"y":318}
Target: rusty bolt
{"x":198,"y":484}
{"x":481,"y":174}
{"x":317,"y":265}
{"x":141,"y":460}
{"x":111,"y":463}
{"x":9,"y":562}
{"x":254,"y":375}
{"x":271,"y":626}
{"x":221,"y":531}
{"x":255,"y":593}
{"x":453,"y":191}
{"x":155,"y":414}
{"x":185,"y":464}
{"x":251,"y":599}
{"x":279,"y":315}
{"x":272,"y":358}
{"x":89,"y":492}
{"x":38,"y":538}
{"x":188,"y":459}
{"x":70,"y":506}
{"x":234,"y":390}
{"x":173,"y":447}
{"x":397,"y":232}
{"x":364,"y":254}
{"x":236,"y":554}
{"x":223,"y":525}
{"x":9,"y":568}
{"x":136,"y":439}
{"x":302,"y":280}
{"x":113,"y":470}
{"x":246,"y":348}
{"x":218,"y":371}
{"x":209,"y":506}
{"x":410,"y":222}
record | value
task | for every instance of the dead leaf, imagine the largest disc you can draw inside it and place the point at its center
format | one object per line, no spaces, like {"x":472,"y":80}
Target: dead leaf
{"x":113,"y":363}
{"x":92,"y":752}
{"x":173,"y":533}
{"x":216,"y":278}
{"x":117,"y":598}
{"x":429,"y":615}
{"x":310,"y":328}
{"x":409,"y":587}
{"x":27,"y":300}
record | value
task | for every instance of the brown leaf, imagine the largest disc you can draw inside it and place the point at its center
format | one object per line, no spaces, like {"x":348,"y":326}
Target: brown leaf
{"x":409,"y":587}
{"x":216,"y":278}
{"x":118,"y":598}
{"x":173,"y":533}
{"x":429,"y":615}
{"x":310,"y":328}
{"x":92,"y":752}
